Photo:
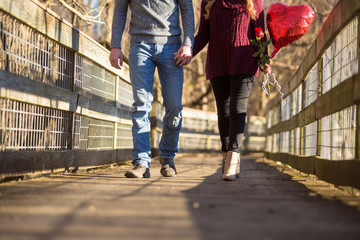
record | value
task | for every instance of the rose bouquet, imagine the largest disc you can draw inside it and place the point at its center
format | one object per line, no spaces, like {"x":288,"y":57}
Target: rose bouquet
{"x":286,"y":24}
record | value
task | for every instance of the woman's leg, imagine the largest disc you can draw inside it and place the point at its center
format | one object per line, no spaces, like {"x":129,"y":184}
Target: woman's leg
{"x":240,"y":89}
{"x":221,"y":89}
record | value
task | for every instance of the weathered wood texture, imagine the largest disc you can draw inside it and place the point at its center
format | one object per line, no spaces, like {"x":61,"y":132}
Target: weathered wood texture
{"x":344,"y":94}
{"x":100,"y":121}
{"x":345,"y":173}
{"x":342,"y":14}
{"x":96,"y":100}
{"x":34,"y":14}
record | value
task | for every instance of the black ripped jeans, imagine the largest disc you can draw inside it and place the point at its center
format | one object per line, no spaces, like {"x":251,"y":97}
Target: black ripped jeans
{"x":231,"y":94}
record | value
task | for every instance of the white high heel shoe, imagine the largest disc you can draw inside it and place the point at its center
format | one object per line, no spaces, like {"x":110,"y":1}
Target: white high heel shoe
{"x":231,"y":169}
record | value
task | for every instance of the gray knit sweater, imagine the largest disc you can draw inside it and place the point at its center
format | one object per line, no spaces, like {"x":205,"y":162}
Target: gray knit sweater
{"x":154,"y":21}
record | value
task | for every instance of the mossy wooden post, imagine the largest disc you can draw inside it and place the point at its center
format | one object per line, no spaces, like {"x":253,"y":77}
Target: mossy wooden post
{"x":357,"y":145}
{"x":117,"y":105}
{"x":357,"y":96}
{"x":73,"y":89}
{"x":320,"y":68}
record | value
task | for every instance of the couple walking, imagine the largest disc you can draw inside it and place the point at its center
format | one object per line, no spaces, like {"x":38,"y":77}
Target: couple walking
{"x":227,"y":26}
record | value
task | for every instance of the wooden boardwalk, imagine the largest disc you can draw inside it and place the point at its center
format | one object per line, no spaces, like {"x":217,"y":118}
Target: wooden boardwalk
{"x":271,"y":201}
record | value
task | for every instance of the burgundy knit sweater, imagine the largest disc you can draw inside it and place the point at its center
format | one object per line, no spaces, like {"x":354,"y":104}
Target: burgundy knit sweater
{"x":228,"y":32}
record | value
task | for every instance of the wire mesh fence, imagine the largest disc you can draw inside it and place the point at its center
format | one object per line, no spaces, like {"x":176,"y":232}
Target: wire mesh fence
{"x":295,"y":141}
{"x":92,"y":79}
{"x":341,"y":59}
{"x":338,"y":134}
{"x":296,"y":101}
{"x":310,"y":139}
{"x":26,"y":126}
{"x":285,"y":110}
{"x":124,"y":136}
{"x":285,"y":142}
{"x":331,"y":137}
{"x":25,"y":52}
{"x":311,"y":86}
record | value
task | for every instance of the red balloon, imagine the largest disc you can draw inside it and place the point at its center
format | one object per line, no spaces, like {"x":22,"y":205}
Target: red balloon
{"x":287,"y":23}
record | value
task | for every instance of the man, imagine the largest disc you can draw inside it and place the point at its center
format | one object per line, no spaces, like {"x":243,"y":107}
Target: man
{"x":155,"y":42}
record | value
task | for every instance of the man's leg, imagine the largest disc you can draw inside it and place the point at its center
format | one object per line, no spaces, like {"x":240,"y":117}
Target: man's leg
{"x":142,"y":68}
{"x":171,"y":79}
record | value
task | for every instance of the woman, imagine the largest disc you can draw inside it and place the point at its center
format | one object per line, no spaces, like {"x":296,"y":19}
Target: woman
{"x":228,"y":26}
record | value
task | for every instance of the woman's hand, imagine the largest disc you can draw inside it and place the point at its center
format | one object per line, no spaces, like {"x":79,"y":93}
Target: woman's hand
{"x":115,"y":57}
{"x":183,"y":56}
{"x":267,"y":69}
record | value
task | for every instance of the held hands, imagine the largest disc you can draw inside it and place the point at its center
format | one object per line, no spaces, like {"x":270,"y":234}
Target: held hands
{"x":183,"y":56}
{"x":116,"y":55}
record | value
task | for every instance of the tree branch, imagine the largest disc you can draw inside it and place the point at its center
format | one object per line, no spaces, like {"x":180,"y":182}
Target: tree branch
{"x":85,"y":17}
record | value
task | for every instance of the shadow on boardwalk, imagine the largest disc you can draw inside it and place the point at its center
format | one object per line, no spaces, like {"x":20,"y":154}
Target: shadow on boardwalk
{"x":268,"y":204}
{"x":264,"y":204}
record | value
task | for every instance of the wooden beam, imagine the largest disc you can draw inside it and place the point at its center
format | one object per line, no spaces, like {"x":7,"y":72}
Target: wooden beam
{"x":345,"y":173}
{"x":342,"y":96}
{"x":100,"y":110}
{"x":19,"y":163}
{"x":24,"y":89}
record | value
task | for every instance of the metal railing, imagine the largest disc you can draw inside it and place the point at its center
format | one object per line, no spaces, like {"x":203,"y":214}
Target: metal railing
{"x":62,"y":106}
{"x":317,"y":131}
{"x":199,"y":132}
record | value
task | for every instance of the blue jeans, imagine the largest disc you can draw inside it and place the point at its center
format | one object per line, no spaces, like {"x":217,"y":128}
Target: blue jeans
{"x":143,"y":59}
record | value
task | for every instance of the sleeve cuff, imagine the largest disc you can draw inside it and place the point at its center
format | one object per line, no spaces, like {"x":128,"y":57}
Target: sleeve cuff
{"x":115,"y":44}
{"x":189,"y":41}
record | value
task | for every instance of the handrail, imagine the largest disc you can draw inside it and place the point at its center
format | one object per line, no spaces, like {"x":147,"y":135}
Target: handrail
{"x":318,"y":130}
{"x":62,"y":105}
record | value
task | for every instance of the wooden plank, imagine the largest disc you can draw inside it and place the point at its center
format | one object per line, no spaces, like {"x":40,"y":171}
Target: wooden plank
{"x":336,"y":99}
{"x":302,"y":163}
{"x":100,"y":110}
{"x":20,"y":163}
{"x":357,"y":145}
{"x":308,"y":114}
{"x":100,"y":55}
{"x":345,"y":173}
{"x":280,"y":127}
{"x":26,"y":90}
{"x":356,"y":91}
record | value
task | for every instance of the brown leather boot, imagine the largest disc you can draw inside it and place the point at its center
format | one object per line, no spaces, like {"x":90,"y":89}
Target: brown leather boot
{"x":139,"y":171}
{"x":167,"y":167}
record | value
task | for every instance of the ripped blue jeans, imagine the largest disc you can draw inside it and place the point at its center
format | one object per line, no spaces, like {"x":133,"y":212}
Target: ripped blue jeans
{"x":143,"y":59}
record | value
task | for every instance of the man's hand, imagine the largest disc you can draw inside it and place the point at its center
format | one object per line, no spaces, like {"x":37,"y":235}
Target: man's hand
{"x":116,"y":55}
{"x":183,"y":56}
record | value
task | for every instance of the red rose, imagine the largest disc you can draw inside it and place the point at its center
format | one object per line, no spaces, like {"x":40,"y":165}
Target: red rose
{"x":259,"y":32}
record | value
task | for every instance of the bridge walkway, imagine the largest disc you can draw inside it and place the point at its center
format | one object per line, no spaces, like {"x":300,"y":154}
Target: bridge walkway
{"x":270,"y":201}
